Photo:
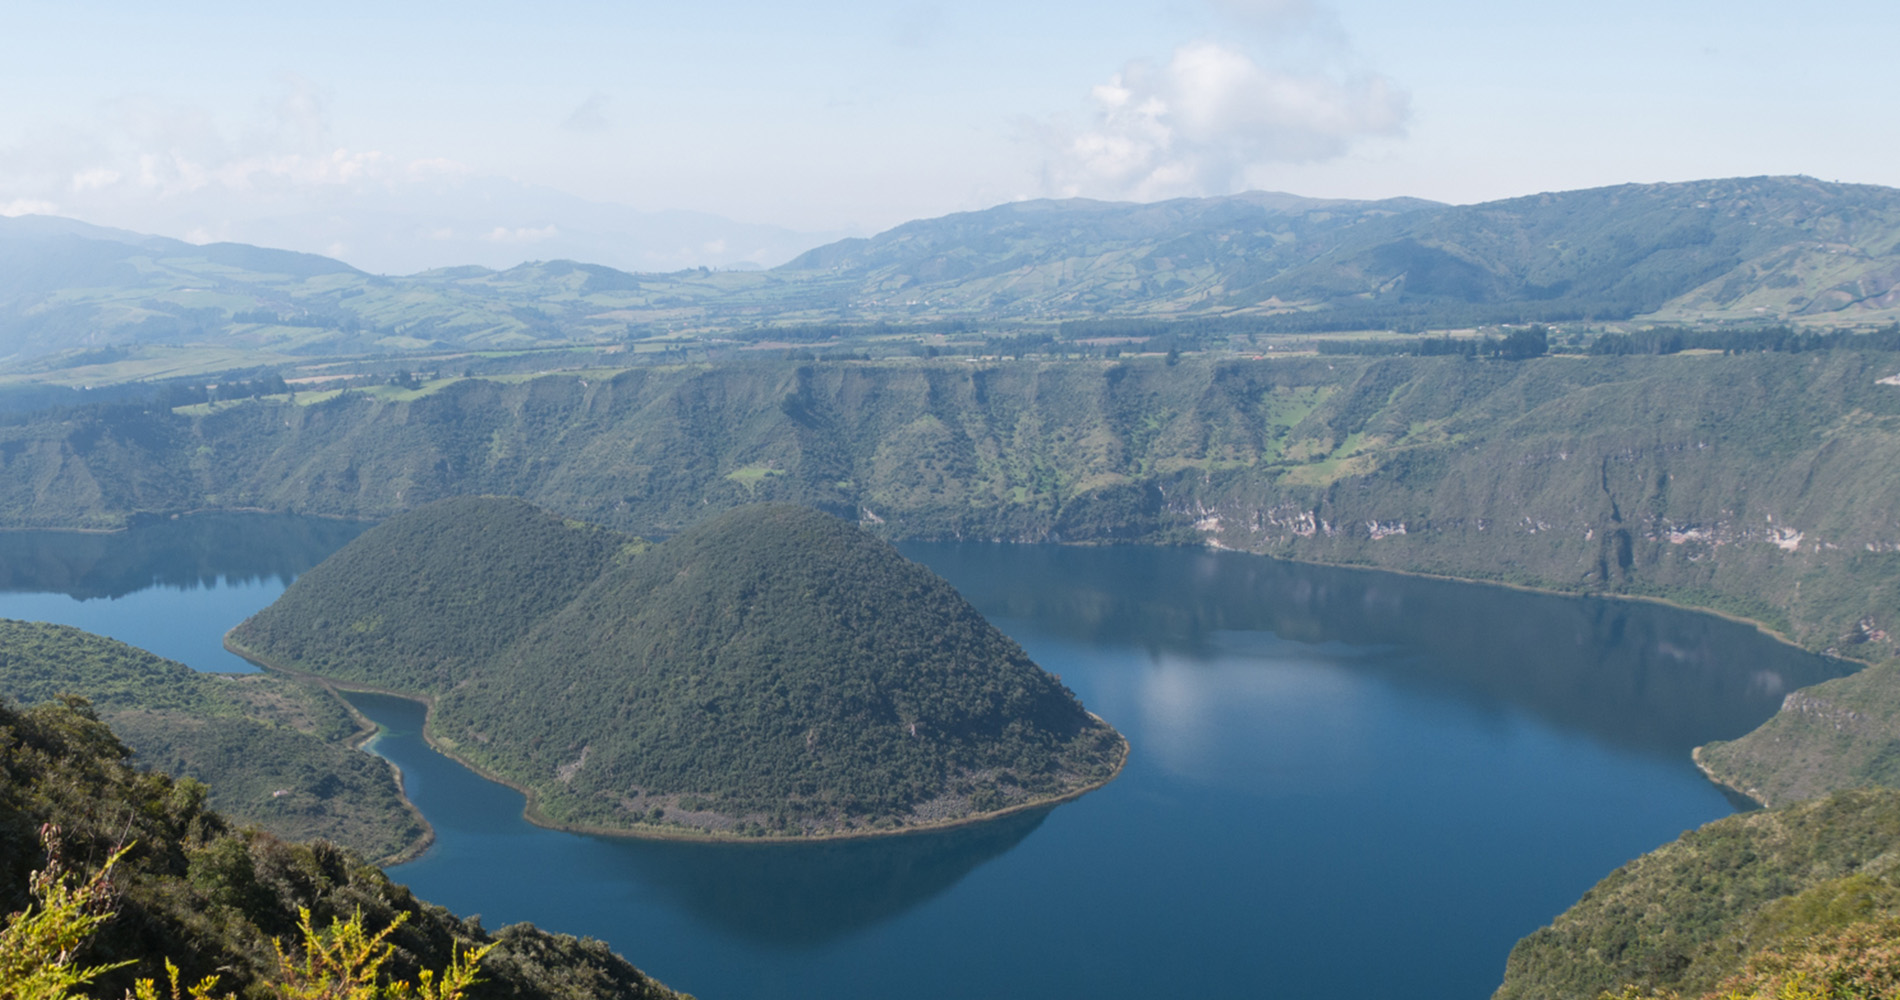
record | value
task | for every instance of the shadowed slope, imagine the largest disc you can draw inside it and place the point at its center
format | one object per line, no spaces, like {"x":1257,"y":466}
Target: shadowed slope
{"x":194,"y":891}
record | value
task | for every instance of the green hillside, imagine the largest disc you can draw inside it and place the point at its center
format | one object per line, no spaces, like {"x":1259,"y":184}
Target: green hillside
{"x":418,"y":602}
{"x":1690,"y":914}
{"x":1759,"y":484}
{"x":1080,"y":257}
{"x":199,"y":892}
{"x":1844,"y":733}
{"x":1734,"y":248}
{"x":104,"y":305}
{"x":274,"y":751}
{"x":772,"y":671}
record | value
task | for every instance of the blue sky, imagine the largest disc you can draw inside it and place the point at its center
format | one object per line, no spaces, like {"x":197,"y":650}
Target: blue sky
{"x":227,"y":120}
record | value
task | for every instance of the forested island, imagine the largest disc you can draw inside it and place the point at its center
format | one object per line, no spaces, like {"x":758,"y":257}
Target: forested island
{"x":770,"y":672}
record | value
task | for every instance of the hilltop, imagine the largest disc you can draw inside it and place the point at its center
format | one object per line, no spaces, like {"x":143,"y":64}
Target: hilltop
{"x":275,"y":751}
{"x":418,"y":602}
{"x":771,"y":671}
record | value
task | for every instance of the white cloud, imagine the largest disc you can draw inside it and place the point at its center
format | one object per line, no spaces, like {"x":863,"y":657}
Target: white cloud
{"x":27,"y":206}
{"x":1221,"y":114}
{"x":1213,"y":115}
{"x":280,"y":177}
{"x":151,"y":157}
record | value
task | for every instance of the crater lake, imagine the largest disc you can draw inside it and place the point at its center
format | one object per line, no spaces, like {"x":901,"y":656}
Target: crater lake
{"x":1342,"y":782}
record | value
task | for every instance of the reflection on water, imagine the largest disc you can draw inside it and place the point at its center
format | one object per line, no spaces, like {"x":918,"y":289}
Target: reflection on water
{"x":171,"y":586}
{"x":182,"y":553}
{"x":1322,"y":759}
{"x":798,"y":895}
{"x":1633,"y":673}
{"x":778,"y":895}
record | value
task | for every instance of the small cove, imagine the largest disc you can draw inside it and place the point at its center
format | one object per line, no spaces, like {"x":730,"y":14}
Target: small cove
{"x":1342,"y":782}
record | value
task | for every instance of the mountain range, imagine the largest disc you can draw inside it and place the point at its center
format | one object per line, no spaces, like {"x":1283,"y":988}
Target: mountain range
{"x":1734,"y":250}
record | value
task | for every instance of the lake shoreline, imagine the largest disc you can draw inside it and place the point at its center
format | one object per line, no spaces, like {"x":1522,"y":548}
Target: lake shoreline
{"x":366,"y":732}
{"x":1720,"y":782}
{"x":1527,"y":588}
{"x":1282,"y":780}
{"x":533,"y":814}
{"x":139,"y":519}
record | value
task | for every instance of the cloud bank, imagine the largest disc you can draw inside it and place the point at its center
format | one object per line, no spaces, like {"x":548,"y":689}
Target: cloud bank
{"x":1214,"y":116}
{"x":281,"y":178}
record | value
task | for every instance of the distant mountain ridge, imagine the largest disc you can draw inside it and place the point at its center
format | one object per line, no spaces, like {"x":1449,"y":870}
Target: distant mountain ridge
{"x":1740,"y":248}
{"x":1743,"y":249}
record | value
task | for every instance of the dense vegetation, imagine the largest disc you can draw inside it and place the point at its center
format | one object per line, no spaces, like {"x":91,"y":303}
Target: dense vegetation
{"x":1860,"y":960}
{"x":771,"y":671}
{"x":211,"y":898}
{"x":1691,"y":914}
{"x":1760,"y":484}
{"x":419,"y":602}
{"x":1719,"y":481}
{"x":273,"y":750}
{"x":1844,"y":733}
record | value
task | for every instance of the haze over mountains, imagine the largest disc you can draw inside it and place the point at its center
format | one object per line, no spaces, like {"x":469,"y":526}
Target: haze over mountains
{"x":1723,"y":250}
{"x":491,"y":222}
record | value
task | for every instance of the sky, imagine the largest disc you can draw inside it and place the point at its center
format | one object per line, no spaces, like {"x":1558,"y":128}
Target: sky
{"x":406,"y":135}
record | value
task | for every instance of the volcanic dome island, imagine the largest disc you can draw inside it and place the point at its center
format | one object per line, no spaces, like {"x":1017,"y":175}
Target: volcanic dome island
{"x":771,"y":672}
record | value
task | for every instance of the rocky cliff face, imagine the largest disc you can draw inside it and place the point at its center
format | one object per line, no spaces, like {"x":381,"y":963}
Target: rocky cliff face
{"x":1764,"y":485}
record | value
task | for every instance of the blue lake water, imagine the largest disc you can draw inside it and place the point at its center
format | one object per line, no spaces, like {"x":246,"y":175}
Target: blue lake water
{"x":1342,"y":783}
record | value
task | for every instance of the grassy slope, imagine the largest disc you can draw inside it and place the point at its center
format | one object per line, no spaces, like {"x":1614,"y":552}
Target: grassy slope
{"x":209,"y":898}
{"x":1689,"y":914}
{"x":772,"y":670}
{"x":273,"y":750}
